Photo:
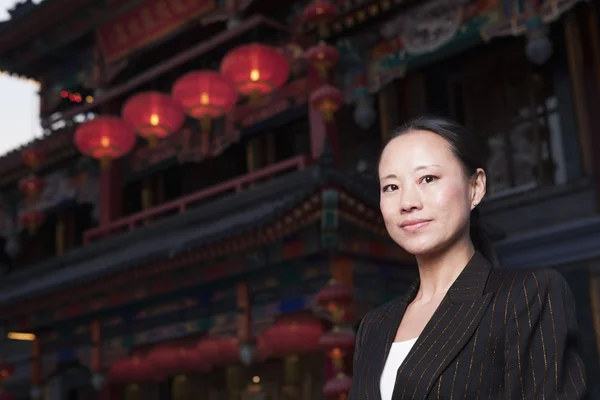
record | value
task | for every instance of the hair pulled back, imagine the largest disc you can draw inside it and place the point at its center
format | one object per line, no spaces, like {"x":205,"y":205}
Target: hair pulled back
{"x":468,"y":150}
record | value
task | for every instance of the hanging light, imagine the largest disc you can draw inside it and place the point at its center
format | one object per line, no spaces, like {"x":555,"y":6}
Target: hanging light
{"x":327,"y":99}
{"x":538,"y":48}
{"x":31,"y":186}
{"x":105,"y":138}
{"x":205,"y":95}
{"x":255,"y":69}
{"x":33,"y":157}
{"x":153,"y":115}
{"x":364,"y":112}
{"x":319,"y":13}
{"x":323,"y":58}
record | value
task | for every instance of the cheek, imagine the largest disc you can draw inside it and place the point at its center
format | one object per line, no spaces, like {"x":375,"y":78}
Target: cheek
{"x":387,"y":209}
{"x":450,"y":201}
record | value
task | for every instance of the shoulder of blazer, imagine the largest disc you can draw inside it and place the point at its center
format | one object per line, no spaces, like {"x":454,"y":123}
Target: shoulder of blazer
{"x":510,"y":279}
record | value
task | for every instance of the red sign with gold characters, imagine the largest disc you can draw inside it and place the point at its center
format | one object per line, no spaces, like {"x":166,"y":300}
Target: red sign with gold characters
{"x":147,"y":22}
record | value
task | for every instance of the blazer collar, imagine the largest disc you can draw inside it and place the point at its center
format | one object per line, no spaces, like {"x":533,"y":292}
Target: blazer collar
{"x":448,"y":331}
{"x":469,"y":285}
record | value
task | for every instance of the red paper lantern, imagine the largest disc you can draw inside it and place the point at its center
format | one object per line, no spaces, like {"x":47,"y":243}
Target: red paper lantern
{"x":337,"y":343}
{"x":217,"y":351}
{"x":337,"y":339}
{"x":319,"y":13}
{"x":328,"y":99}
{"x":105,"y":138}
{"x":32,"y":220}
{"x":338,"y":387}
{"x":335,"y":293}
{"x":205,"y":95}
{"x":33,"y":157}
{"x":153,"y":115}
{"x":6,"y":370}
{"x":293,"y":334}
{"x":323,"y":58}
{"x":255,"y":69}
{"x":32,"y":187}
{"x":132,"y":369}
{"x":170,"y":359}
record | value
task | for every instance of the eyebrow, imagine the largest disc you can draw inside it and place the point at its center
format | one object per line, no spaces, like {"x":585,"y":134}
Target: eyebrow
{"x":419,"y":168}
{"x":422,"y":167}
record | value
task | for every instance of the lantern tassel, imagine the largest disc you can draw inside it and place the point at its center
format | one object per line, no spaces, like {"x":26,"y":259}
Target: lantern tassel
{"x":328,"y":115}
{"x":255,"y":98}
{"x":323,"y":29}
{"x":205,"y":124}
{"x":105,"y":163}
{"x":133,"y":392}
{"x":322,"y":70}
{"x":205,"y":143}
{"x":152,"y":141}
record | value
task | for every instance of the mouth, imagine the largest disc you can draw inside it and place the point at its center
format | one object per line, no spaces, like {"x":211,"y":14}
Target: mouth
{"x":414,"y":225}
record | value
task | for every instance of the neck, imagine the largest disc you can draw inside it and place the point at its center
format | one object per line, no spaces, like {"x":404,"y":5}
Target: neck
{"x":438,"y":272}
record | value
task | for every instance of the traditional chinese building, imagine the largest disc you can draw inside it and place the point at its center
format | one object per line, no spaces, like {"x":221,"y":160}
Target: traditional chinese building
{"x":200,"y":218}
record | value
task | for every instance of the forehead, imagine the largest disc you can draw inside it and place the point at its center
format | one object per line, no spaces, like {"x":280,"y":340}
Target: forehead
{"x":416,"y":147}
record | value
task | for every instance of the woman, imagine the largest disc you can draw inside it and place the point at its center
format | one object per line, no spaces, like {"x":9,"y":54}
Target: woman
{"x":464,"y":330}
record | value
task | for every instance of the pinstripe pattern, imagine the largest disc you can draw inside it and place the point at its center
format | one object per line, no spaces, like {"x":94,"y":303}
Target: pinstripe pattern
{"x":498,"y":334}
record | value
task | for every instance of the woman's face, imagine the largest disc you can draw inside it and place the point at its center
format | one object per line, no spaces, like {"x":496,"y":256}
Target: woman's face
{"x":426,"y":197}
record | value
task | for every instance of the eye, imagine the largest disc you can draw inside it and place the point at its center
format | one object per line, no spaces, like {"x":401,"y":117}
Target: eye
{"x":428,"y":179}
{"x":389,"y":188}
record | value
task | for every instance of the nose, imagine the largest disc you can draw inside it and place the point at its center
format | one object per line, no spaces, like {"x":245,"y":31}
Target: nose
{"x":410,"y":200}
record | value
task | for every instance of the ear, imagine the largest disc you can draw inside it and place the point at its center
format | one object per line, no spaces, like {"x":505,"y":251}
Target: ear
{"x":478,"y":187}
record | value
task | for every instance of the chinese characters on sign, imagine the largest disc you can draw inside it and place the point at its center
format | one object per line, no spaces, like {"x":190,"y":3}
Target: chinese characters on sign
{"x":148,"y":21}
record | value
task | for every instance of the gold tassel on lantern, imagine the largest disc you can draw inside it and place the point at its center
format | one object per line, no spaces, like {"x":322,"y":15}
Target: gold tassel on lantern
{"x":235,"y":381}
{"x":133,"y":392}
{"x":181,"y":388}
{"x":292,"y":370}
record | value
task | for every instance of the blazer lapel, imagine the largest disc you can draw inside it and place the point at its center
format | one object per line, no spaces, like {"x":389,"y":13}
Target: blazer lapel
{"x":448,"y":331}
{"x":389,"y":323}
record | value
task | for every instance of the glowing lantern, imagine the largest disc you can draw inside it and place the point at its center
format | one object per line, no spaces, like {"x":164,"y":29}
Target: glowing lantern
{"x":105,"y":138}
{"x":335,"y":297}
{"x":327,"y":99}
{"x":33,"y":157}
{"x":32,"y":220}
{"x":132,"y":369}
{"x":255,"y":69}
{"x":293,"y":335}
{"x":337,"y":388}
{"x":170,"y":359}
{"x":32,"y":187}
{"x":319,"y":13}
{"x":337,"y":343}
{"x":6,"y":370}
{"x":205,"y":95}
{"x":153,"y":115}
{"x":323,"y":58}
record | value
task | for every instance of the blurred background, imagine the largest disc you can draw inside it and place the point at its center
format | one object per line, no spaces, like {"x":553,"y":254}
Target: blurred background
{"x":188,"y":188}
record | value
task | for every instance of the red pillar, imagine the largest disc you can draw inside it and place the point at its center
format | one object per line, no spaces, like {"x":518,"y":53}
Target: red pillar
{"x":111,"y":198}
{"x":319,"y":129}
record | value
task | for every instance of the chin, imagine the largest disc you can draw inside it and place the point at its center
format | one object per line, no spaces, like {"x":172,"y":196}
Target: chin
{"x":419,"y":246}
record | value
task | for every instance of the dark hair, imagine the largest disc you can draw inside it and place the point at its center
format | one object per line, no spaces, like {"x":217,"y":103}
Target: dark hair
{"x":468,"y":150}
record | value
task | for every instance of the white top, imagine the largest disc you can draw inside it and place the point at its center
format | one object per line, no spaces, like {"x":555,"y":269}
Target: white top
{"x":395,"y":358}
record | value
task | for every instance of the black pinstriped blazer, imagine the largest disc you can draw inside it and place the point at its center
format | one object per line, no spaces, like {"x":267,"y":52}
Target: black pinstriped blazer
{"x":498,"y":334}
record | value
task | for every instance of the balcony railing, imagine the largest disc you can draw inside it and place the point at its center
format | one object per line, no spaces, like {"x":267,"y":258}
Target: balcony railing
{"x":131,"y":222}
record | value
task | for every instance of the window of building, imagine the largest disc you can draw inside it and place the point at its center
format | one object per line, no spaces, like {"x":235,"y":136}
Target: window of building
{"x":511,"y":103}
